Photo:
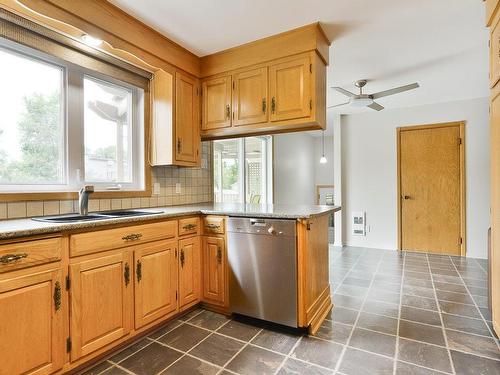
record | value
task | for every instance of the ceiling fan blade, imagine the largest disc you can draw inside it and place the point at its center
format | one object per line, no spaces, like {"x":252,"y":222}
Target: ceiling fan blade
{"x":376,"y":106}
{"x":396,"y":90}
{"x":344,"y":91}
{"x":338,"y":105}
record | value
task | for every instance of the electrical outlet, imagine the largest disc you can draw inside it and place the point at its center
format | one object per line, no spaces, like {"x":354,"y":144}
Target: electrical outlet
{"x":156,"y":188}
{"x":177,"y":187}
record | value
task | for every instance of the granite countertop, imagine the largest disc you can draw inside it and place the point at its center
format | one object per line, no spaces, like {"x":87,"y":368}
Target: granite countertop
{"x":28,"y":227}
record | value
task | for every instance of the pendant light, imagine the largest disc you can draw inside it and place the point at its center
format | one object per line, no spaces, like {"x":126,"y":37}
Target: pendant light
{"x":323,"y":160}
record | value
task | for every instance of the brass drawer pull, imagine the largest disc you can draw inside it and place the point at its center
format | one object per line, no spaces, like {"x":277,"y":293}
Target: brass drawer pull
{"x":213,"y":226}
{"x":228,"y":112}
{"x":273,"y":104}
{"x":189,"y":226}
{"x":182,"y":258}
{"x":138,"y":270}
{"x":219,"y":255}
{"x":9,"y":258}
{"x":264,"y":105}
{"x":57,"y":296}
{"x":132,"y":237}
{"x":126,"y":274}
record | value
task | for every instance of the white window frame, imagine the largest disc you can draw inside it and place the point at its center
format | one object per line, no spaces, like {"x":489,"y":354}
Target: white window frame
{"x":72,"y":109}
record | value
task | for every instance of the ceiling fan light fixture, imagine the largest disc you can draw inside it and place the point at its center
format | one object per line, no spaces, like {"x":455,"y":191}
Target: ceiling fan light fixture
{"x":361,"y":102}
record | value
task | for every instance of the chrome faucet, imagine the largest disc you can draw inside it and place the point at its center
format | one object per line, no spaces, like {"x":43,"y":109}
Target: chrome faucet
{"x":83,"y":199}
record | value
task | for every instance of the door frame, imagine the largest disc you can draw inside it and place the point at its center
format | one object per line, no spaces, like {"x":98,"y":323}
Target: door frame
{"x":461,"y":127}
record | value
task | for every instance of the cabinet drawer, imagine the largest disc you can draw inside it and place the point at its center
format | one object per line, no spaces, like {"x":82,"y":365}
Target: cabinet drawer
{"x":189,"y":226}
{"x":29,"y":253}
{"x":93,"y":242}
{"x":213,"y":224}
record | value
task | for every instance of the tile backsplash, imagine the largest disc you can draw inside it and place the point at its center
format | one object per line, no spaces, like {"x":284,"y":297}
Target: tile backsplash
{"x":196,"y":187}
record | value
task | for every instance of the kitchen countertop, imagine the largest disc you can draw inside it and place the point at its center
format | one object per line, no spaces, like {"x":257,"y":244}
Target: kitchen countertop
{"x":27,"y":227}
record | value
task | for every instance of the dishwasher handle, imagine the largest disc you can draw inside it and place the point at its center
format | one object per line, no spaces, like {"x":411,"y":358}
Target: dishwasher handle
{"x":258,"y":222}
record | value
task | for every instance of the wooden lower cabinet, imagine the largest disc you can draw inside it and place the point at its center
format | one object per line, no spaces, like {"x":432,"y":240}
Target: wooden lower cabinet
{"x":31,"y":324}
{"x":189,"y":271}
{"x":155,"y":276}
{"x":214,"y":270}
{"x":101,"y":302}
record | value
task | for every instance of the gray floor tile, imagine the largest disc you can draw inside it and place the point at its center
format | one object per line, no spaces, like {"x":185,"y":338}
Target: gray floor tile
{"x":459,"y":309}
{"x":184,"y":337}
{"x":217,"y":349}
{"x":151,"y":360}
{"x":421,"y":332}
{"x":334,"y":331}
{"x":420,"y":316}
{"x":418,"y":291}
{"x":343,"y":315}
{"x":403,"y":368}
{"x":239,"y":330}
{"x":462,"y":323}
{"x":355,"y":362}
{"x":209,"y":320}
{"x":281,"y":342}
{"x":373,"y":342}
{"x":191,"y":366}
{"x":97,"y":369}
{"x":419,"y":302}
{"x":347,"y":301}
{"x":450,"y":287}
{"x":473,"y":344}
{"x":383,"y":296}
{"x":378,"y":323}
{"x":424,"y":355}
{"x":115,"y":370}
{"x":117,"y":358}
{"x":319,"y":352}
{"x":252,"y":360}
{"x":467,"y":364}
{"x":454,"y":297}
{"x":381,"y":308}
{"x":166,"y":328}
{"x":295,"y":367}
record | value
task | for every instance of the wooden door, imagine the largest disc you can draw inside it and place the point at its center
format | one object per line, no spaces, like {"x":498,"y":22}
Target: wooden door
{"x":214,"y":265}
{"x":101,"y":302}
{"x":250,"y":102}
{"x":155,"y":281}
{"x":31,"y":324}
{"x":216,"y":99}
{"x":189,"y":271}
{"x":431,"y":188}
{"x":495,"y":50}
{"x":290,"y":89}
{"x":495,"y":206}
{"x":187,"y":129}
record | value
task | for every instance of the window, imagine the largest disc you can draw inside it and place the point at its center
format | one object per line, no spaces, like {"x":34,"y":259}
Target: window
{"x":243,"y":170}
{"x":64,"y":125}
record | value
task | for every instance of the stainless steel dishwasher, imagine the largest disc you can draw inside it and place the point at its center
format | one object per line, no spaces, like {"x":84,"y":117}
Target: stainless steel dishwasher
{"x":262,"y":256}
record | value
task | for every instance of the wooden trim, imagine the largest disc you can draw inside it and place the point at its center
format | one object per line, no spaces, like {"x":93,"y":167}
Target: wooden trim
{"x":492,"y":6}
{"x":318,"y":188}
{"x":303,"y":39}
{"x":461,"y":125}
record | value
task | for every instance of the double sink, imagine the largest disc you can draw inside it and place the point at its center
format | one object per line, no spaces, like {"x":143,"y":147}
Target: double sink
{"x":74,"y":218}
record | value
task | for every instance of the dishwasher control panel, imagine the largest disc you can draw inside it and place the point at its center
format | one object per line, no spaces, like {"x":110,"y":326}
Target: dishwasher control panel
{"x":271,"y":227}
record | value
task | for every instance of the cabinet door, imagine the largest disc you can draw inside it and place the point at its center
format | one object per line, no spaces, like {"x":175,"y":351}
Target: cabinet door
{"x":214,"y":270}
{"x":101,"y":302}
{"x":189,"y":271}
{"x":155,"y":281}
{"x":290,"y":89}
{"x":216,"y":99}
{"x":250,"y":97}
{"x":31,"y":324}
{"x":187,"y":129}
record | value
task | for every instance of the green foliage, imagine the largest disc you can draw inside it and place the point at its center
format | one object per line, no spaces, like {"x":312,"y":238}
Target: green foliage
{"x":108,"y":152}
{"x":40,"y":143}
{"x":229,"y":174}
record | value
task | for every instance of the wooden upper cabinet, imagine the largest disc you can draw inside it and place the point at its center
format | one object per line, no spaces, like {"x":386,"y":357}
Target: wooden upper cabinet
{"x":31,"y":324}
{"x":187,"y":129}
{"x":495,"y":50}
{"x":101,"y":302}
{"x":250,"y":97}
{"x":216,"y":99}
{"x":189,"y":271}
{"x":214,"y":270}
{"x":155,"y":274}
{"x":290,"y":89}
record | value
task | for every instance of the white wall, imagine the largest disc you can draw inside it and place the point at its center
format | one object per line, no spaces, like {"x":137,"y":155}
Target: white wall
{"x":369,"y":169}
{"x":294,"y":172}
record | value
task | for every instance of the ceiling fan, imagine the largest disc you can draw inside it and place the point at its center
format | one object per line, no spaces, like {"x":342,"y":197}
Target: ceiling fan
{"x":368,"y":100}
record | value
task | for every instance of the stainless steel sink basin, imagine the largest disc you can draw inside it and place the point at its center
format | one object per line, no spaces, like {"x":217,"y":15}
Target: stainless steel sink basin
{"x":74,"y":218}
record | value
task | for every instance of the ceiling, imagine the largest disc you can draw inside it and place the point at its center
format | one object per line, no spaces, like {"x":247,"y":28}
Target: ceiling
{"x":441,"y":44}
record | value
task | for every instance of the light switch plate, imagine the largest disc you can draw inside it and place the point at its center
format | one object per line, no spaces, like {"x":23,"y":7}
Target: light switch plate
{"x":156,"y":188}
{"x":177,"y":187}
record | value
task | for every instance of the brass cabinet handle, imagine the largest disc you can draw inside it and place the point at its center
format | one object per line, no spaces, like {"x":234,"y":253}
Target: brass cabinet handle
{"x":219,"y":255}
{"x":132,"y":237}
{"x":228,"y":111}
{"x":406,"y":197}
{"x":126,"y":274}
{"x":212,"y":226}
{"x":179,"y":145}
{"x":264,"y":106}
{"x":57,"y":296}
{"x":189,"y":226}
{"x":9,"y":258}
{"x":182,"y":258}
{"x":273,"y":104}
{"x":138,"y":270}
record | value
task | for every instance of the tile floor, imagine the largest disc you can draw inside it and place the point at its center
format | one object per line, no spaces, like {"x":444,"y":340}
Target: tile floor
{"x":394,"y":314}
